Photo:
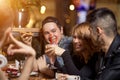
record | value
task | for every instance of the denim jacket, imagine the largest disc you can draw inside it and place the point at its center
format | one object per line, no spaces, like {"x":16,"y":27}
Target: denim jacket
{"x":66,"y":43}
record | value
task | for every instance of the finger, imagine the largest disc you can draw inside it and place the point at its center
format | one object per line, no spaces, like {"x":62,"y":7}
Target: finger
{"x":9,"y":49}
{"x":29,"y":39}
{"x":15,"y":41}
{"x":44,"y":57}
{"x":49,"y":45}
{"x":23,"y":35}
{"x":22,"y":32}
{"x":26,"y":35}
{"x":49,"y":51}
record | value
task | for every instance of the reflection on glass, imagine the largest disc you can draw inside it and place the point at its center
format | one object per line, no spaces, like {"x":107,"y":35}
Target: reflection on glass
{"x":21,"y":18}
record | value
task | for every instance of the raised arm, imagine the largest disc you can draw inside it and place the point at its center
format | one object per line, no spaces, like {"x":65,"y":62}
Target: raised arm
{"x":21,"y":48}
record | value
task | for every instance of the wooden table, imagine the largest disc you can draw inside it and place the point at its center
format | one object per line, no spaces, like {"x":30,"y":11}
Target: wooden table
{"x":34,"y":77}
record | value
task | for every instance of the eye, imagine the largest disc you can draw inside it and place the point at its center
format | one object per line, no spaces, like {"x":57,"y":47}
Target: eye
{"x":53,"y":30}
{"x":46,"y":33}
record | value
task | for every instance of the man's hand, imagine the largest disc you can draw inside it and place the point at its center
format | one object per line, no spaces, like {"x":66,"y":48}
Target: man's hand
{"x":54,"y":50}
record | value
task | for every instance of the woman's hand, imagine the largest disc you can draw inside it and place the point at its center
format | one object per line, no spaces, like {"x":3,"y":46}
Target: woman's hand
{"x":19,"y":47}
{"x":26,"y":37}
{"x":42,"y":65}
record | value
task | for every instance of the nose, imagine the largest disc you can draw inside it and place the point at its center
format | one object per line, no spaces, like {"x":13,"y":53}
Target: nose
{"x":51,"y":35}
{"x":75,"y":40}
{"x":51,"y":39}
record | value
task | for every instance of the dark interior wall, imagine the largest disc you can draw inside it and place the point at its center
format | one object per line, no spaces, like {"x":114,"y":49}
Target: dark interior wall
{"x":66,"y":17}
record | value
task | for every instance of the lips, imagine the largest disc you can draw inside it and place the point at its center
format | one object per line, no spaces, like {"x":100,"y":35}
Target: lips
{"x":53,"y":40}
{"x":77,"y":46}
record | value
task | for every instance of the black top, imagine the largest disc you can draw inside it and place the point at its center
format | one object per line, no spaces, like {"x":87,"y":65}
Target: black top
{"x":99,"y":67}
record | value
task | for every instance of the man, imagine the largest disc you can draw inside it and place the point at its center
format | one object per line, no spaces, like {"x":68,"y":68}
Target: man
{"x":104,"y":32}
{"x":52,"y":32}
{"x":6,"y":22}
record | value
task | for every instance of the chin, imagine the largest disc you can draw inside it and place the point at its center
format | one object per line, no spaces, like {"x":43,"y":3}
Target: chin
{"x":77,"y":50}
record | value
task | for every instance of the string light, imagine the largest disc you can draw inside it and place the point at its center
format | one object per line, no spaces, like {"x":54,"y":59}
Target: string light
{"x":43,"y":9}
{"x":71,"y":7}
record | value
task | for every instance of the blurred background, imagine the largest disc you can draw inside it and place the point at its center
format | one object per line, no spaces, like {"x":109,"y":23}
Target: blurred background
{"x":30,"y":13}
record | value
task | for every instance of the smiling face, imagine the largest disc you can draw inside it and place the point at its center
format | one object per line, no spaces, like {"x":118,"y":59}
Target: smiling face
{"x":52,"y":33}
{"x":81,"y":38}
{"x":78,"y":43}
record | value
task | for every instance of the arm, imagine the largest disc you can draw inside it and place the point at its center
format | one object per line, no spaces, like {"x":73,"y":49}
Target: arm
{"x":71,"y":68}
{"x":2,"y":75}
{"x":85,"y":73}
{"x":19,"y":47}
{"x":27,"y":68}
{"x":69,"y":65}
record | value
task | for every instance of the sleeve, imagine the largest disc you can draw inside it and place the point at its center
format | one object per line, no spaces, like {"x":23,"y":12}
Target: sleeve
{"x":86,"y":72}
{"x":68,"y":63}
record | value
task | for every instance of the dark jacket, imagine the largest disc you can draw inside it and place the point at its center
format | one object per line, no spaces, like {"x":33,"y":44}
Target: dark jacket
{"x":99,"y":67}
{"x":109,"y":68}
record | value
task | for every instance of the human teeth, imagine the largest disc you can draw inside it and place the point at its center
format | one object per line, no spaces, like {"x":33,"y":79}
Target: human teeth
{"x":53,"y":39}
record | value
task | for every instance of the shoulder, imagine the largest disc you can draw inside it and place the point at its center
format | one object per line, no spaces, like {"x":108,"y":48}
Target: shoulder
{"x":67,"y":39}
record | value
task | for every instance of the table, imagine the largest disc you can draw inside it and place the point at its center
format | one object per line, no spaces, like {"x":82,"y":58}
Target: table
{"x":33,"y":76}
{"x":38,"y":76}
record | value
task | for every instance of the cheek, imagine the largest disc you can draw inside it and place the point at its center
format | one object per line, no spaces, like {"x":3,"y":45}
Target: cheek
{"x":46,"y":38}
{"x":59,"y":36}
{"x":78,"y":49}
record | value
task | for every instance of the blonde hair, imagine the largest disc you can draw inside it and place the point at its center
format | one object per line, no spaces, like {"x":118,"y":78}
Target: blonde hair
{"x":82,"y":31}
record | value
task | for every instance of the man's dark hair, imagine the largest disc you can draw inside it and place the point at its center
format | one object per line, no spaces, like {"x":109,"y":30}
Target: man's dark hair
{"x":104,"y":18}
{"x":51,"y":19}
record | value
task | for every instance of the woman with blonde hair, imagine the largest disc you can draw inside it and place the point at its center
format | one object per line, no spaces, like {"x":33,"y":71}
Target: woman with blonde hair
{"x":83,"y":46}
